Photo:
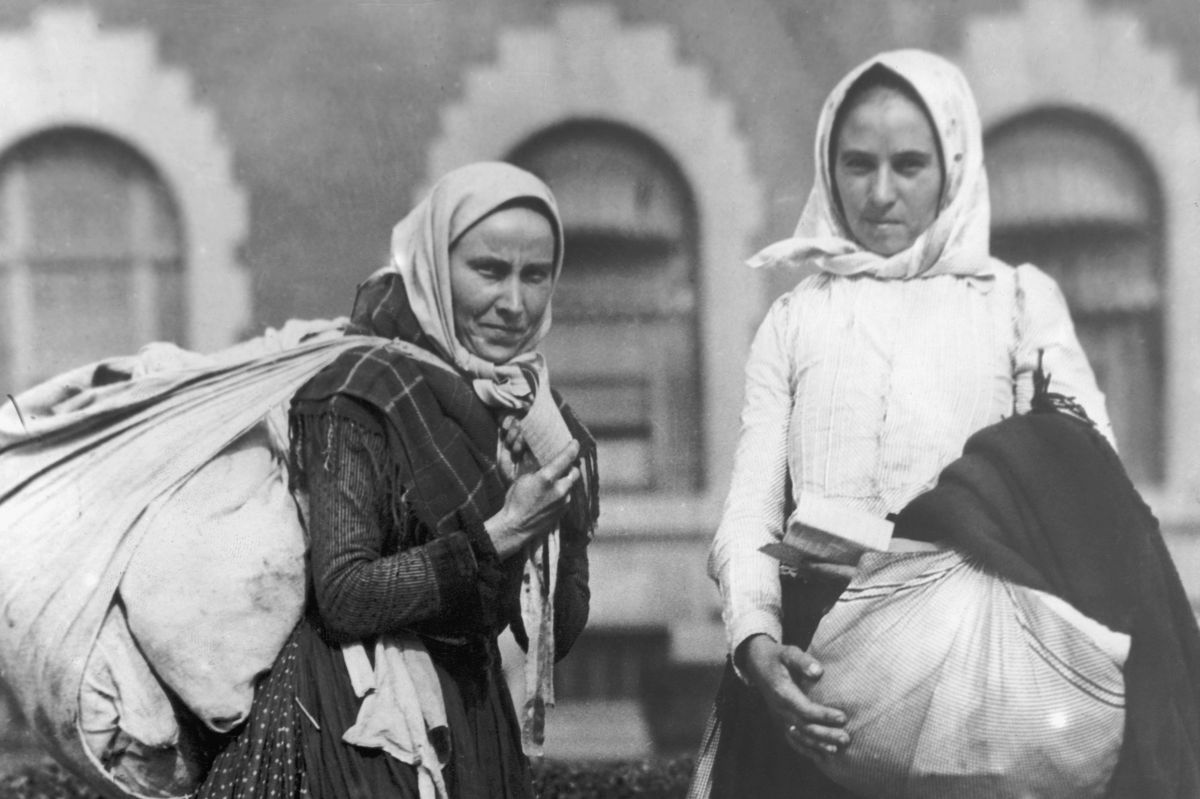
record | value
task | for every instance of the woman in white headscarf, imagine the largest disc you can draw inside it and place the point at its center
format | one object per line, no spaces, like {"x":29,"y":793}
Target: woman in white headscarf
{"x":865,"y":381}
{"x":448,"y":497}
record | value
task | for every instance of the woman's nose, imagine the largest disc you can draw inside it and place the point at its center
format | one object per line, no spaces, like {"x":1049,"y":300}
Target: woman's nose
{"x":509,"y":300}
{"x":883,"y":188}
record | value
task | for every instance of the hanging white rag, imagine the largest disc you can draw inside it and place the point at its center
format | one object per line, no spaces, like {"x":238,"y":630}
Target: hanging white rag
{"x":401,"y":705}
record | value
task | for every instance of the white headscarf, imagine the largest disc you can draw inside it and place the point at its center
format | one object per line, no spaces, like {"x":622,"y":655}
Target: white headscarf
{"x":421,"y":244}
{"x":956,"y":242}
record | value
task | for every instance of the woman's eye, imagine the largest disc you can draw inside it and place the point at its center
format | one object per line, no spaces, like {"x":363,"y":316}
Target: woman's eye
{"x":911,"y":166}
{"x":536,"y":276}
{"x":858,"y":166}
{"x":488,"y":269}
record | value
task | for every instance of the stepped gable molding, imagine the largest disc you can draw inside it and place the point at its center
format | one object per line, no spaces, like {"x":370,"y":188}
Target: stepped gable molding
{"x":66,"y":70}
{"x":1082,"y":55}
{"x":585,"y":63}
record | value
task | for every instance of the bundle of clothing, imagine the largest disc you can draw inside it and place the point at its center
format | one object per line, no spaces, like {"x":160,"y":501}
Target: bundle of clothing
{"x":1046,"y":646}
{"x":1042,"y":501}
{"x":156,"y":558}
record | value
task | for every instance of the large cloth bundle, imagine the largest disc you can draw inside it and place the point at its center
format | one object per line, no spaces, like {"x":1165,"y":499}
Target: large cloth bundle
{"x":121,"y":523}
{"x":990,"y":690}
{"x":1047,"y":553}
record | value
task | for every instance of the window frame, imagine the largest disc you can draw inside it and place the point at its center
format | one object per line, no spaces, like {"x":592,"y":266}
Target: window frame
{"x":17,"y":255}
{"x":1151,"y":458}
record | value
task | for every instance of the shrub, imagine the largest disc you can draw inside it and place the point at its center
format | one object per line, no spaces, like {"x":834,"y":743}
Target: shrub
{"x":46,"y":780}
{"x":648,"y":779}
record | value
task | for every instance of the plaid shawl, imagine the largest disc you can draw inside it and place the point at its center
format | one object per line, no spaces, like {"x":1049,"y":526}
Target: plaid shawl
{"x":442,"y":439}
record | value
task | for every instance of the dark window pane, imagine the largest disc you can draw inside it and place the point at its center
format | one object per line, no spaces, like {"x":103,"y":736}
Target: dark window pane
{"x":1074,"y":198}
{"x":624,"y":346}
{"x":93,"y":241}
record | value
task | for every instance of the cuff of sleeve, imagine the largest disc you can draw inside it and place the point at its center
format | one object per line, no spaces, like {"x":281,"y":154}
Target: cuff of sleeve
{"x":453,"y":559}
{"x":456,"y":570}
{"x":487,"y":574}
{"x":752,"y":622}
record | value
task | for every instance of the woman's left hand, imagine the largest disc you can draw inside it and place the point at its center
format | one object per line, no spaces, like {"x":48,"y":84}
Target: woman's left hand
{"x":534,"y":503}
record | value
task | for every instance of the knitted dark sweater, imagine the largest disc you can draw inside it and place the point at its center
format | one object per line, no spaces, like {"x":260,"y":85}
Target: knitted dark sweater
{"x":376,"y":568}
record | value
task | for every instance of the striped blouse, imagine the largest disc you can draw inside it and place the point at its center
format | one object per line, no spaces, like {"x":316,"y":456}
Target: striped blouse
{"x":862,"y":390}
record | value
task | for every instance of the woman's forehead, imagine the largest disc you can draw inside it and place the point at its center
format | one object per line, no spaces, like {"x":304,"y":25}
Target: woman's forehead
{"x":516,"y":227}
{"x":885,"y":112}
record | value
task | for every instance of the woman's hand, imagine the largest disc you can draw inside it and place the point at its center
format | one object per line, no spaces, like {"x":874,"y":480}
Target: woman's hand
{"x":778,"y":672}
{"x":514,"y":440}
{"x":534,"y":503}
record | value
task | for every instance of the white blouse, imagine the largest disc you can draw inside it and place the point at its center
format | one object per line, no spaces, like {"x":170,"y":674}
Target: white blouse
{"x":861,"y":390}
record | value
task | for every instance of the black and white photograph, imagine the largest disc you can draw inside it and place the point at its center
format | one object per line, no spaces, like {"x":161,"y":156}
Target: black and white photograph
{"x":590,"y":399}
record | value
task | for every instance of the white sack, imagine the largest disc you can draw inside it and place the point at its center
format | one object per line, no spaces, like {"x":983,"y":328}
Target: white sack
{"x":218,"y":581}
{"x":958,"y":683}
{"x":126,"y":719}
{"x":75,"y":487}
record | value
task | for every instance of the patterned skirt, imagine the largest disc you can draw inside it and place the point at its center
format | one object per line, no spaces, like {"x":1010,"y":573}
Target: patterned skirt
{"x":291,"y":747}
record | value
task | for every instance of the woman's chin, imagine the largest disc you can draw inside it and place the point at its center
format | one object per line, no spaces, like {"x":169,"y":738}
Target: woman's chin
{"x":887,"y":246}
{"x":494,"y":352}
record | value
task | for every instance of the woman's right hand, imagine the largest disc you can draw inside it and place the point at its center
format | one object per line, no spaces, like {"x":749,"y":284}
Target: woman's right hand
{"x":778,"y":672}
{"x":534,"y":503}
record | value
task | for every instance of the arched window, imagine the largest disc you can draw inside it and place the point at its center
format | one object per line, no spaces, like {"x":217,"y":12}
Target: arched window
{"x":90,"y":255}
{"x":1075,"y":197}
{"x":624,"y":346}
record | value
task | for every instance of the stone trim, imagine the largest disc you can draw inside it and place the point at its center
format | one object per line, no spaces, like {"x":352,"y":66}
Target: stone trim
{"x":64,"y":70}
{"x":1016,"y":62}
{"x":586,"y":64}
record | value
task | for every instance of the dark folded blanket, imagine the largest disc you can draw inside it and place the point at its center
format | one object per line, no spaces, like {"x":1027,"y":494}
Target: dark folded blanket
{"x":1042,"y":499}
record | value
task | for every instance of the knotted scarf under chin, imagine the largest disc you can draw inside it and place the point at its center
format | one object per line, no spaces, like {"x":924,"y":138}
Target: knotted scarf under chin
{"x":522,"y":387}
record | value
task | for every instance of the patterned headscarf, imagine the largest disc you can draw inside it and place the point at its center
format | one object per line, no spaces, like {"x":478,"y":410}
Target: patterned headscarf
{"x":956,"y":243}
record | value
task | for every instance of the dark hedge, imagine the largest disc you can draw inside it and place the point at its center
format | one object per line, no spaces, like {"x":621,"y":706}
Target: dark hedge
{"x":648,"y":779}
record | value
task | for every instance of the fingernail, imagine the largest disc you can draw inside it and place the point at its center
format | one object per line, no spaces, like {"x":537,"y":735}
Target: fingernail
{"x":830,"y":748}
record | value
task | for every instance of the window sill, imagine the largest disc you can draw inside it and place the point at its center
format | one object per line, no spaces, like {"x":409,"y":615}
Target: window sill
{"x":659,"y":515}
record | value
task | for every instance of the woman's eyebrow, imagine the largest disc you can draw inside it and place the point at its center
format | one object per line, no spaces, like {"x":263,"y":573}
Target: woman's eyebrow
{"x":487,"y":260}
{"x":851,"y":152}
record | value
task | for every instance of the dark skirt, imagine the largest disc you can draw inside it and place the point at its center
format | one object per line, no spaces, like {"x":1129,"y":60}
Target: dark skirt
{"x":291,"y":746}
{"x":752,"y":756}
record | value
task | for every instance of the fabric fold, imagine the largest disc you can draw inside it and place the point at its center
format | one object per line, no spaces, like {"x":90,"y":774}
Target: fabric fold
{"x":957,"y":241}
{"x":401,"y":706}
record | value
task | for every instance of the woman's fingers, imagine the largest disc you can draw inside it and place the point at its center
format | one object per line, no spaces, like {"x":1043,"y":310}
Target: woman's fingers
{"x":561,"y":463}
{"x":811,"y":728}
{"x":797,"y":708}
{"x":565,"y":483}
{"x":514,"y":440}
{"x":815,"y":741}
{"x":800,"y":663}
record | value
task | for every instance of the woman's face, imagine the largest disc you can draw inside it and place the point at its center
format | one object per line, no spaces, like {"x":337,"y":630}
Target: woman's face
{"x":501,"y":279}
{"x":887,"y":171}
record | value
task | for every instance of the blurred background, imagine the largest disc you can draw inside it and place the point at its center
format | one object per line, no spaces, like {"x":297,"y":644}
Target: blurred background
{"x":195,"y":172}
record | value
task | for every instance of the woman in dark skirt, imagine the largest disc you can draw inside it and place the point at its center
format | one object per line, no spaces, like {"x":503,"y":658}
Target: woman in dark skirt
{"x":437,"y":514}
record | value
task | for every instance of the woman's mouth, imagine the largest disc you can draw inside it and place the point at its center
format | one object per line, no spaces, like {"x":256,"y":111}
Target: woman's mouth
{"x":501,"y":331}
